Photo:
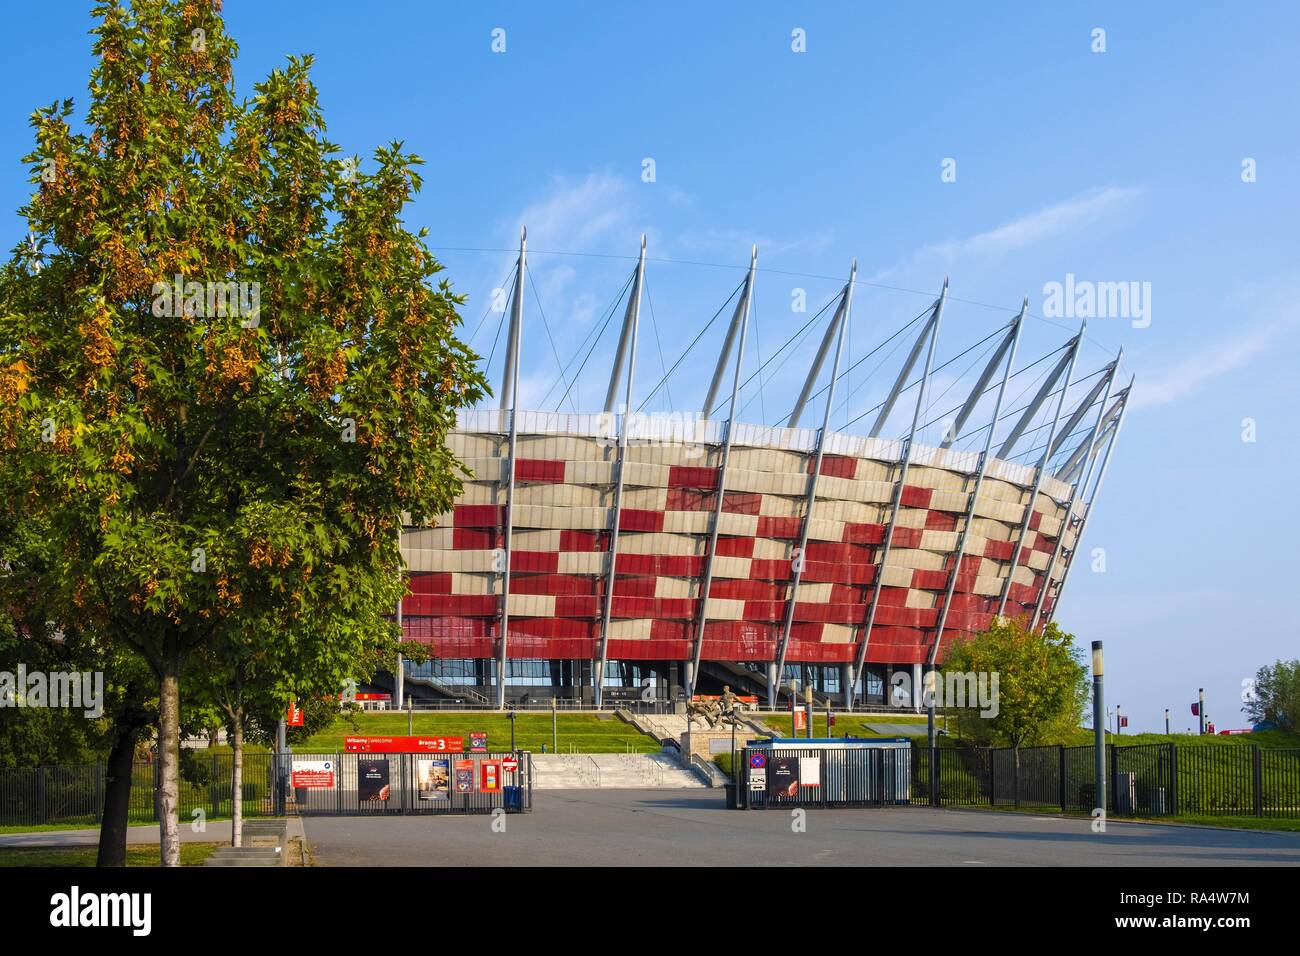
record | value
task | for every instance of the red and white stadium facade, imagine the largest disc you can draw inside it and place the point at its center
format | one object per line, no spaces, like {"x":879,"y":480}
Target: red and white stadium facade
{"x":578,"y":557}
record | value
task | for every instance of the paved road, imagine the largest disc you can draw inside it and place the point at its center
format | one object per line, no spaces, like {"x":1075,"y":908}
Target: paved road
{"x":685,"y":827}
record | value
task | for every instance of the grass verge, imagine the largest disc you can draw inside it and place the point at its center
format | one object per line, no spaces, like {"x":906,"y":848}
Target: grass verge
{"x":140,"y":854}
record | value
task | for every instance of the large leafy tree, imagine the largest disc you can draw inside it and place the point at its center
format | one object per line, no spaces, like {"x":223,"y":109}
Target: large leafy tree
{"x":197,"y":450}
{"x":37,"y":633}
{"x":1042,"y":684}
{"x":1274,"y":698}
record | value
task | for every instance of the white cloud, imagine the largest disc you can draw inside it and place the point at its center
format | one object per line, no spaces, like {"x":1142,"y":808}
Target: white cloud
{"x":1036,"y":227}
{"x":734,"y":242}
{"x":1186,"y":375}
{"x":578,"y":213}
{"x":1043,"y":224}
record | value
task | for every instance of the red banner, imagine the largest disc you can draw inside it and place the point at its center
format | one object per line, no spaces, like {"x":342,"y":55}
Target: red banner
{"x":404,"y":745}
{"x":294,"y":716}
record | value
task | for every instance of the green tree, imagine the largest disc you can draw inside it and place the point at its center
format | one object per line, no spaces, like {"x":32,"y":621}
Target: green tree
{"x":36,"y":633}
{"x":1275,"y":696}
{"x":227,"y":368}
{"x":1041,"y":680}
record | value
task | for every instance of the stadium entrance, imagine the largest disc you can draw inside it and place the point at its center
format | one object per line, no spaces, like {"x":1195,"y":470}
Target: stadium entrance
{"x":404,"y":780}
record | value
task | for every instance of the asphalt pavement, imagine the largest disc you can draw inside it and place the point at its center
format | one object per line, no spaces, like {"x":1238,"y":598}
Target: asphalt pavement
{"x":693,"y":828}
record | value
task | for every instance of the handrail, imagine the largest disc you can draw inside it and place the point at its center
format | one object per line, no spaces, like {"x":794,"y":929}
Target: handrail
{"x":712,"y":773}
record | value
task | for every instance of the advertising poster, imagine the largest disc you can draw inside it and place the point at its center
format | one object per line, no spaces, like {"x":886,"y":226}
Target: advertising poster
{"x":372,"y":780}
{"x":464,"y":776}
{"x":433,"y":778}
{"x":810,"y":772}
{"x":783,"y":777}
{"x":478,"y":743}
{"x":489,"y":776}
{"x":312,"y":774}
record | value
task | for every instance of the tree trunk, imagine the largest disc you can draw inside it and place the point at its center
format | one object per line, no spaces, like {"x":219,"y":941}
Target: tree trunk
{"x":117,"y":798}
{"x":169,"y":731}
{"x":237,"y":782}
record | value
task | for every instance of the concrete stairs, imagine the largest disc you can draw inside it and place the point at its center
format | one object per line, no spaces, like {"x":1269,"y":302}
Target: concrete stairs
{"x":672,"y":726}
{"x":611,"y":771}
{"x":264,"y":845}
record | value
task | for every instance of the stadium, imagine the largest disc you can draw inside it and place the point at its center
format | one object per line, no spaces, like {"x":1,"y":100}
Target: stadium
{"x":577,"y":561}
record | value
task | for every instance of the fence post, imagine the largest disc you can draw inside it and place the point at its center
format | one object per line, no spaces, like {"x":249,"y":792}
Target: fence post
{"x":1114,"y":779}
{"x":993,"y":799}
{"x":40,"y":796}
{"x":99,"y":792}
{"x":1015,"y":777}
{"x":214,"y":788}
{"x":1060,"y":773}
{"x":1257,"y":778}
{"x":1173,"y":780}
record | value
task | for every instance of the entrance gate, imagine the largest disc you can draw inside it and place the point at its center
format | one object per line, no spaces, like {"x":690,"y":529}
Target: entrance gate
{"x":315,"y":784}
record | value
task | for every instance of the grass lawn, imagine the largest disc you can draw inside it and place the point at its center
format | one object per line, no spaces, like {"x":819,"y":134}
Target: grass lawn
{"x":1241,"y":823}
{"x":581,"y":733}
{"x":1231,"y":821}
{"x":1272,"y":739}
{"x":142,"y":854}
{"x":87,"y":823}
{"x":853,"y":725}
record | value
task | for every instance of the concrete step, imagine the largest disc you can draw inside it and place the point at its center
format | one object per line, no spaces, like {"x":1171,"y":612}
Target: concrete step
{"x":269,"y":824}
{"x":621,"y":771}
{"x":245,"y":856}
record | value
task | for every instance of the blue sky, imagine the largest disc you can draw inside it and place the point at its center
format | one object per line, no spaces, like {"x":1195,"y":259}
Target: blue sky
{"x":1117,"y":166}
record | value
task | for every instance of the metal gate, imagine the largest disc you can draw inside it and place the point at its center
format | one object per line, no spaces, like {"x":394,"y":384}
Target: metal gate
{"x":386,"y":784}
{"x":825,"y":778}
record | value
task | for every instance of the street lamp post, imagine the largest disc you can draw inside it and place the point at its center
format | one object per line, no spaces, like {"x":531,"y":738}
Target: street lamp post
{"x":732,"y":715}
{"x":512,"y":716}
{"x":794,"y":704}
{"x":1200,"y":710}
{"x":1166,"y":721}
{"x":1098,"y":727}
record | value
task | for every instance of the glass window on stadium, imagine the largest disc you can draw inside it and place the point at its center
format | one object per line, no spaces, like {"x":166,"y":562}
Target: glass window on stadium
{"x":454,"y":672}
{"x":823,"y":678}
{"x":875,"y":689}
{"x":629,"y":674}
{"x":531,"y":673}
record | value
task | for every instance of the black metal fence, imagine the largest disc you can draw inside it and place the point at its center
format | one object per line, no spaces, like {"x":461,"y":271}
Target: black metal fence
{"x":401,"y":783}
{"x":1141,"y":780}
{"x":68,"y":796}
{"x":822,"y":777}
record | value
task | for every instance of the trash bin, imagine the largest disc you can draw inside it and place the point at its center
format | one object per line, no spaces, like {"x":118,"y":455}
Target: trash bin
{"x":730,"y":789}
{"x":514,"y":799}
{"x":1126,"y":793}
